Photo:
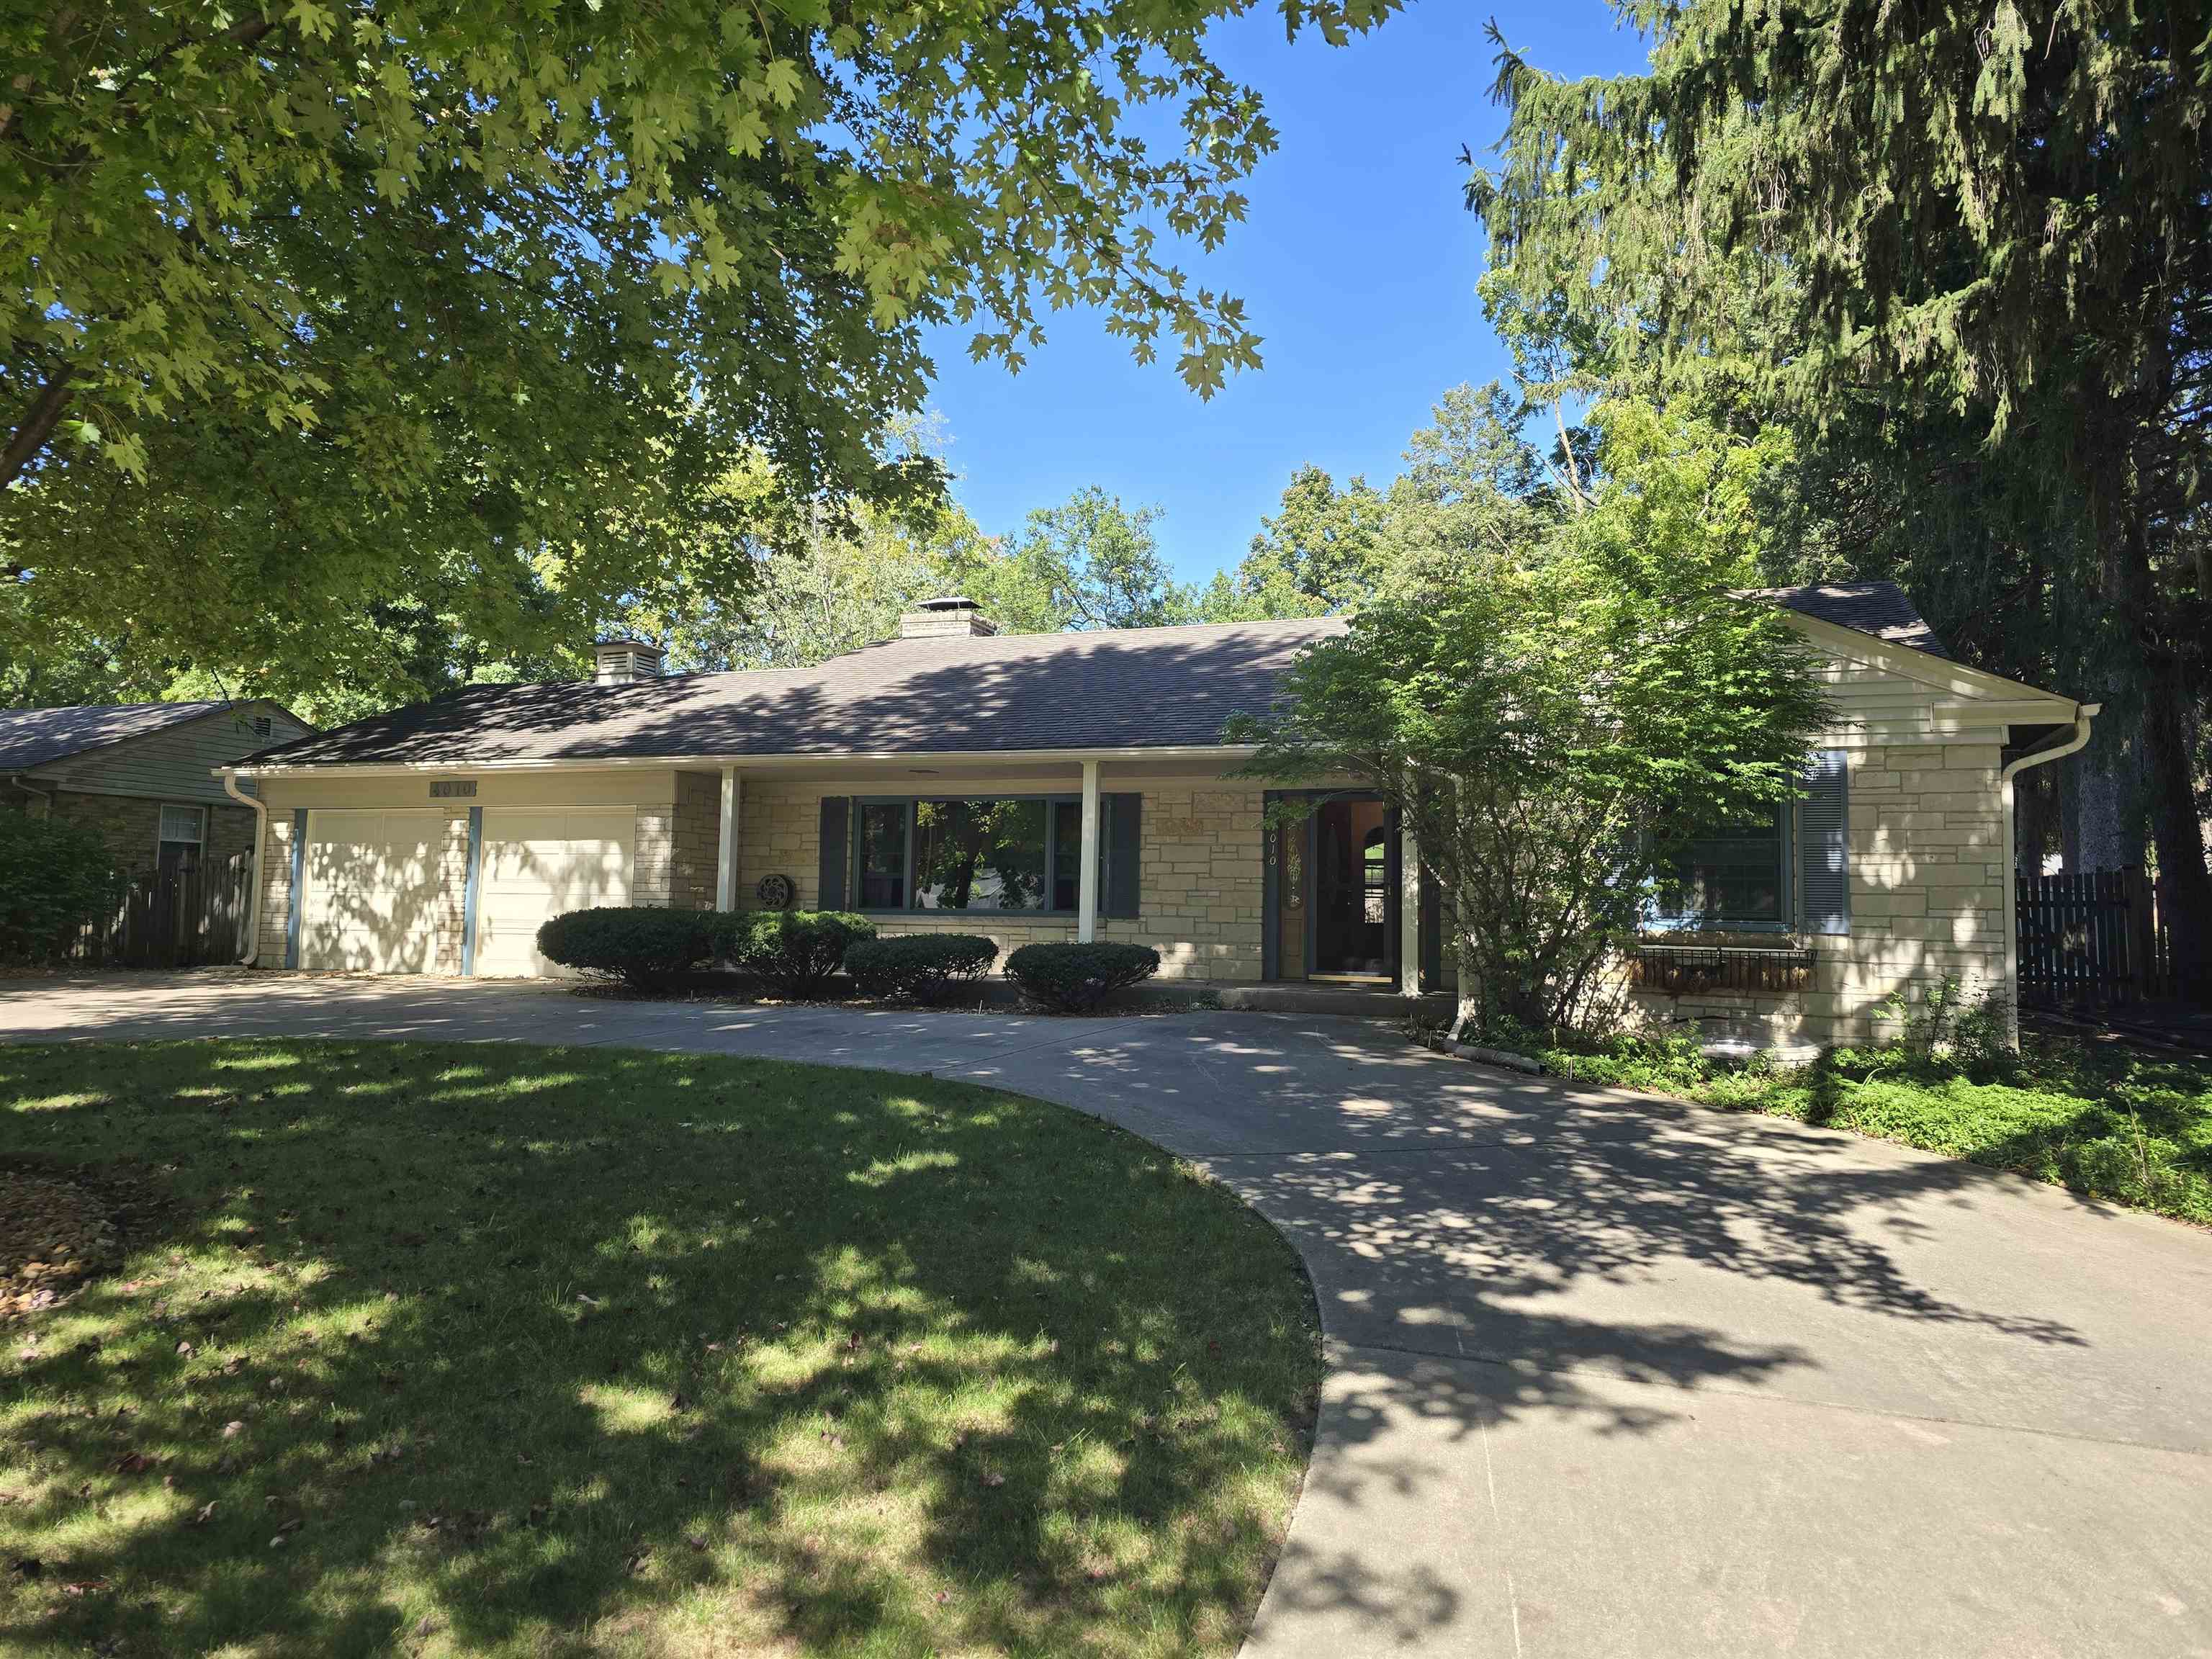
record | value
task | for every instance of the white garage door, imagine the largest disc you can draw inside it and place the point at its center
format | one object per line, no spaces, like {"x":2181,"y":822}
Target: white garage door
{"x":374,"y":890}
{"x":538,"y":862}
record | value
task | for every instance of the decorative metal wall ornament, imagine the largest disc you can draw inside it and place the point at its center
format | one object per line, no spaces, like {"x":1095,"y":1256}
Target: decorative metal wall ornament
{"x":775,"y":892}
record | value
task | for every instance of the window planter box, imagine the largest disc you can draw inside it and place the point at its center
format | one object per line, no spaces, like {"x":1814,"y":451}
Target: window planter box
{"x":1680,"y":969}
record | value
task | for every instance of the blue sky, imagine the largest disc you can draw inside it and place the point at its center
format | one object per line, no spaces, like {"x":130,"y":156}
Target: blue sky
{"x":1358,"y":263}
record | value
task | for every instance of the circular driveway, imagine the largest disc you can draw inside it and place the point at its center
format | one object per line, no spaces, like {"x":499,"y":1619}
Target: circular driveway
{"x":1607,"y":1375}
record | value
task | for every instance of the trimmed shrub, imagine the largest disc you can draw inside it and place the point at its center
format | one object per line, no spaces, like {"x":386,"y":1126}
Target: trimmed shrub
{"x":644,"y":947}
{"x":923,"y":966}
{"x":55,"y":878}
{"x":1073,"y":979}
{"x":797,"y":951}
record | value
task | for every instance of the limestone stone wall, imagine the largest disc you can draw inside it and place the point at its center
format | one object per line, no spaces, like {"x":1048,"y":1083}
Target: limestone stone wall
{"x":1929,"y":889}
{"x":696,"y":832}
{"x":452,"y":898}
{"x":275,"y":876}
{"x":1198,"y":880}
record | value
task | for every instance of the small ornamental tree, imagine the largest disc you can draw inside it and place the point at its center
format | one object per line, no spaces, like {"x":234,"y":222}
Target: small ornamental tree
{"x":1554,"y":715}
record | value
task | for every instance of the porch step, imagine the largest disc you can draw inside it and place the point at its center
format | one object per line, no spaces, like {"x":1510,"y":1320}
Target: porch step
{"x":1379,"y":1003}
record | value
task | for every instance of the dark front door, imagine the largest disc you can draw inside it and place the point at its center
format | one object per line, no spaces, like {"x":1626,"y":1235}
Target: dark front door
{"x":1351,"y":890}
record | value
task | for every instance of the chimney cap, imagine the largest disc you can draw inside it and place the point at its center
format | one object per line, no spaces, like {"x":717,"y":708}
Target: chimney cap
{"x":950,"y":616}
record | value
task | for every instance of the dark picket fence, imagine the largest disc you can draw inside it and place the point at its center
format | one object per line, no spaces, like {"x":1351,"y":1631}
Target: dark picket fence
{"x":2091,"y":936}
{"x":186,"y":920}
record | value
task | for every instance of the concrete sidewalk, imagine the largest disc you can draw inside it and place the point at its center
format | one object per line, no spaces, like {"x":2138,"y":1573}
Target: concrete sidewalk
{"x":1608,"y":1375}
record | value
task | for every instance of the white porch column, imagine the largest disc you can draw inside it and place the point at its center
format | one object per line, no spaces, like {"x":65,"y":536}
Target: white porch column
{"x":1409,"y":912}
{"x":1086,"y":880}
{"x":725,"y":866}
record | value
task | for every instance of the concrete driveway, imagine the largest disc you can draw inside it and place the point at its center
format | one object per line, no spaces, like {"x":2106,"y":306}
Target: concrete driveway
{"x":1608,"y":1376}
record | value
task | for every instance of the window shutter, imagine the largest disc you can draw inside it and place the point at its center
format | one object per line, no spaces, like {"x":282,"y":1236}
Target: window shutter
{"x":836,"y":817}
{"x":1824,"y":875}
{"x":1124,"y":816}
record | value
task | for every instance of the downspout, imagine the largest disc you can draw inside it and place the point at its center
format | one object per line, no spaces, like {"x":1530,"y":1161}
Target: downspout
{"x":2009,"y":901}
{"x":229,"y":775}
{"x":44,"y":798}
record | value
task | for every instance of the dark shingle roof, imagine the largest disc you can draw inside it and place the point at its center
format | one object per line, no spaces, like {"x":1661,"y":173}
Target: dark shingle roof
{"x":37,"y":737}
{"x":1881,"y":609}
{"x":1142,"y":688}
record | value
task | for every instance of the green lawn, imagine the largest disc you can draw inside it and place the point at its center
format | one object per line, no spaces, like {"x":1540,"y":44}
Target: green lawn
{"x":432,"y":1349}
{"x":2106,"y":1121}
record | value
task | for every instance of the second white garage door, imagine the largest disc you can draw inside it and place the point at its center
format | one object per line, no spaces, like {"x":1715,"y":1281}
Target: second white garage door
{"x":538,"y":862}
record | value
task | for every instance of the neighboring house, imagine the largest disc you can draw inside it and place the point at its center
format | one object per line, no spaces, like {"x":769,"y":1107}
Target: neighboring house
{"x":139,"y":774}
{"x":1065,"y":786}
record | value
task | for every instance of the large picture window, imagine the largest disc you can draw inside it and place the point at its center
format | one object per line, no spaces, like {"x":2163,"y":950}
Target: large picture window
{"x":1009,"y":854}
{"x":978,"y":854}
{"x":1734,"y":876}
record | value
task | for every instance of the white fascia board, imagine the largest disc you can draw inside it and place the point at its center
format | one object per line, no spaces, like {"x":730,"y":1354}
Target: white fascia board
{"x":1973,"y":684}
{"x":664,"y":762}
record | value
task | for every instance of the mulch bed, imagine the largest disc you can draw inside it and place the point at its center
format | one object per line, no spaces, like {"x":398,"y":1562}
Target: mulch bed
{"x":54,"y":1234}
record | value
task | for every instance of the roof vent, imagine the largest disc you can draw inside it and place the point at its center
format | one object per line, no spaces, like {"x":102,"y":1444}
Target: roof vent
{"x":621,"y":661}
{"x":952,"y":618}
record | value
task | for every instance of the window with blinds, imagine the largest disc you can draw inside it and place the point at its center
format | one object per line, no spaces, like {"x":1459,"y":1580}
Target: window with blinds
{"x":183,"y":823}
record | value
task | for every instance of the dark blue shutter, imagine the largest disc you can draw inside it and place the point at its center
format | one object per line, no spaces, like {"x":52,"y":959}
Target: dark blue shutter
{"x":836,"y":816}
{"x":1824,"y":874}
{"x":1124,"y":825}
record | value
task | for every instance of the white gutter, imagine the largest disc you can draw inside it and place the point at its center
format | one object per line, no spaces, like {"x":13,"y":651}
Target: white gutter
{"x":229,"y":776}
{"x":2008,"y":902}
{"x":696,"y":761}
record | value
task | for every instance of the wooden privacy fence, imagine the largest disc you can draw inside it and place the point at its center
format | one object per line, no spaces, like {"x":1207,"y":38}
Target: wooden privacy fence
{"x":2091,"y":936}
{"x":188,"y":918}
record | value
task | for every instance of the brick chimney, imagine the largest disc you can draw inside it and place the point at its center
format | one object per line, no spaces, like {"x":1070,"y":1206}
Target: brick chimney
{"x":947,"y":618}
{"x":619,"y":662}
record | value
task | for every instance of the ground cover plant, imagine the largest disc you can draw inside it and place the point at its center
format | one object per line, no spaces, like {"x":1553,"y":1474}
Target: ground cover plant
{"x":2109,"y":1122}
{"x":443,"y":1349}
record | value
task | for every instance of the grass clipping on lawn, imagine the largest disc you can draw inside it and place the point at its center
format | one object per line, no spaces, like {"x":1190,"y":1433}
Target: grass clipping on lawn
{"x":503,"y":1351}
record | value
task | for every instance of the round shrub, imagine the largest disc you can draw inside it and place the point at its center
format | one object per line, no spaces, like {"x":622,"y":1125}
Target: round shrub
{"x":645,"y":948}
{"x":797,"y":951}
{"x":56,"y":878}
{"x":1073,"y":979}
{"x":923,"y":966}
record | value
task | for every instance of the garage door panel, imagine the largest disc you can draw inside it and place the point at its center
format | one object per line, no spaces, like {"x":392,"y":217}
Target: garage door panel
{"x":539,"y":863}
{"x":374,"y":892}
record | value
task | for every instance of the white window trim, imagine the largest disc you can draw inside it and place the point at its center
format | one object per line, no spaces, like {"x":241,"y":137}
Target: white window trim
{"x":161,"y":816}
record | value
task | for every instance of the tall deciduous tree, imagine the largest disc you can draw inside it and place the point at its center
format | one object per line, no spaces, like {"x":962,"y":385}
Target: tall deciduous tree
{"x":1550,"y":713}
{"x":315,"y":307}
{"x":2001,"y":216}
{"x":1088,"y":562}
{"x":1316,"y":554}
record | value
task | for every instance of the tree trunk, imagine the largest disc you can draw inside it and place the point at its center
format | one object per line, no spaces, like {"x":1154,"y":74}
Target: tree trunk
{"x":2106,"y":800}
{"x":37,"y":426}
{"x":2167,"y":772}
{"x":2184,"y":883}
{"x":1467,"y":1017}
